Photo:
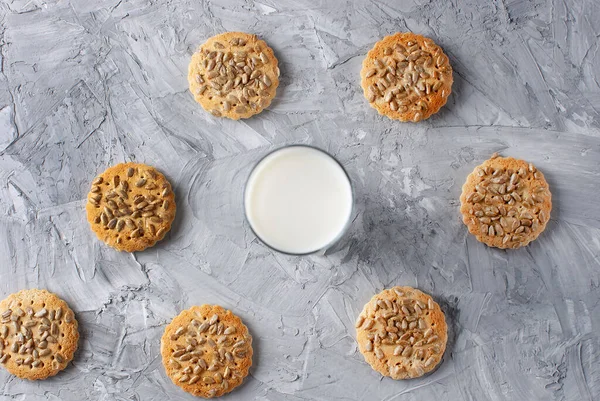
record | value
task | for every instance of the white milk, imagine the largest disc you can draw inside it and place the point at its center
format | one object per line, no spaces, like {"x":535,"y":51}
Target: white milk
{"x":298,"y":200}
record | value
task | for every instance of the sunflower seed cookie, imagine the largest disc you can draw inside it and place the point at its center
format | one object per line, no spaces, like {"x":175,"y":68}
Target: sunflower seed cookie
{"x":130,"y":206}
{"x":406,"y":77}
{"x":402,"y":333}
{"x":38,"y":334}
{"x":234,"y":75}
{"x":506,"y":202}
{"x":206,"y":350}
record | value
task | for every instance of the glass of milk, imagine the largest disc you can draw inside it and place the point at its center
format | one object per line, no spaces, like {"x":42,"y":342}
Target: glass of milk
{"x":298,"y":200}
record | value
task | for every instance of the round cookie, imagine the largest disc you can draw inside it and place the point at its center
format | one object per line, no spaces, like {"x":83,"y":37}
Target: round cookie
{"x":406,"y":77}
{"x":402,"y":333}
{"x":206,"y":350}
{"x":38,"y":334}
{"x":505,"y":202}
{"x":234,"y":75}
{"x":131,"y":206}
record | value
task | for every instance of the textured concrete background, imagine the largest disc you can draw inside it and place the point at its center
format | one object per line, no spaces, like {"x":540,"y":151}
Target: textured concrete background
{"x":87,"y":84}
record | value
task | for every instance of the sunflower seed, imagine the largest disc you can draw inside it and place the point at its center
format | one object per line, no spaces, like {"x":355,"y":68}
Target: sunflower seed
{"x":474,"y":197}
{"x":197,"y":369}
{"x":432,"y":339}
{"x":214,"y":318}
{"x":54,"y":329}
{"x":119,"y":225}
{"x":202,"y":363}
{"x":429,"y":361}
{"x":192,"y":380}
{"x":178,"y":353}
{"x":109,"y":213}
{"x":174,"y":363}
{"x":537,"y":198}
{"x":26,"y":331}
{"x":266,"y":80}
{"x":112,"y":224}
{"x":203,"y":327}
{"x":526,"y":215}
{"x":201,"y":90}
{"x":45,"y":352}
{"x":42,"y":312}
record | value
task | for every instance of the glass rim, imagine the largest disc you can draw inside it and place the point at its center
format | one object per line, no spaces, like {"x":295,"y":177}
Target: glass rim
{"x":342,"y":232}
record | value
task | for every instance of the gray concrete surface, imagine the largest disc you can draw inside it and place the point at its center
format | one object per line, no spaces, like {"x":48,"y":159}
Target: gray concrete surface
{"x":86,"y":84}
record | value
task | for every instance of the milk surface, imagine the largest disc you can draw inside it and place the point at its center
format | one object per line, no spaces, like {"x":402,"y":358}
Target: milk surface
{"x":298,"y":200}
